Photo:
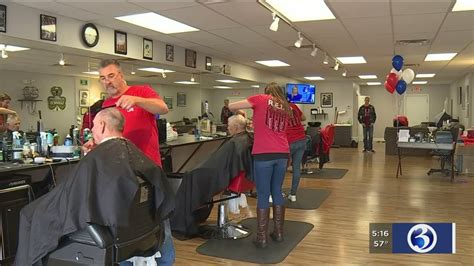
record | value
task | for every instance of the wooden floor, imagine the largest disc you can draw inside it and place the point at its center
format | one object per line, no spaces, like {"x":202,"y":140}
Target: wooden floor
{"x":370,"y":193}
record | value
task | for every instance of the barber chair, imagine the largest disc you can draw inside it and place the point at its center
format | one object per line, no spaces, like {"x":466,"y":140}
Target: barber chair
{"x":226,"y":229}
{"x":101,"y":245}
{"x":319,"y":142}
{"x":444,"y":155}
{"x":15,"y":193}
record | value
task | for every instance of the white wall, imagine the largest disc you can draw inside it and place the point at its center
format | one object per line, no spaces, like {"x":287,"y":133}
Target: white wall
{"x":466,"y":114}
{"x":386,"y":105}
{"x":11,"y":83}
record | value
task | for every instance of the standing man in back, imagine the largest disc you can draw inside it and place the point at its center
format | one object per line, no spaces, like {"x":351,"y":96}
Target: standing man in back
{"x":138,"y":104}
{"x":367,"y":117}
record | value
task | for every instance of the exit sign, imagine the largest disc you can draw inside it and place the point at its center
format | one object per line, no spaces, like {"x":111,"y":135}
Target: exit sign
{"x":416,"y":89}
{"x":84,"y":82}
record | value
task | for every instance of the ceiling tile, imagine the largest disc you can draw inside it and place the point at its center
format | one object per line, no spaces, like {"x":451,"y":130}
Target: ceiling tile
{"x":404,"y":7}
{"x":203,"y":38}
{"x":108,"y":10}
{"x":451,"y":41}
{"x":160,"y":5}
{"x":459,"y":21}
{"x":359,"y":8}
{"x":368,"y":26}
{"x":417,"y":23}
{"x":63,"y":10}
{"x":248,"y":13}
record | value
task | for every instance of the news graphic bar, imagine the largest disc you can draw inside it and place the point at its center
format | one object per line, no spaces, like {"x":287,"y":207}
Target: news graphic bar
{"x":412,"y":238}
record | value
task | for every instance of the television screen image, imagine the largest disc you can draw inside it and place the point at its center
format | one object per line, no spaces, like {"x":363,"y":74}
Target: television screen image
{"x":300,"y":93}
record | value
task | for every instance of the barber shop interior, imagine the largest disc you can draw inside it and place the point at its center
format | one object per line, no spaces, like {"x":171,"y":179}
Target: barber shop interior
{"x":236,"y":132}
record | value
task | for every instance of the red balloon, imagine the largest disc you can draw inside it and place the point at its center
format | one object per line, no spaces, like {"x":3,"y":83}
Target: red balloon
{"x":389,"y":87}
{"x":392,"y":79}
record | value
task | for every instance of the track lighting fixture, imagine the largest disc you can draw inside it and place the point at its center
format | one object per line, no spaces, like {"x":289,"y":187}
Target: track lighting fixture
{"x":61,"y":60}
{"x":326,"y":60}
{"x":4,"y":53}
{"x":274,"y":25}
{"x":344,"y":73}
{"x":336,"y":66}
{"x":299,"y":41}
{"x":192,"y":78}
{"x":133,"y":70}
{"x":315,"y":50}
{"x":163,"y":75}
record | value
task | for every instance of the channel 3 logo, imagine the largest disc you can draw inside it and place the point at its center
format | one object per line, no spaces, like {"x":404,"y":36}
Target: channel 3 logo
{"x":422,"y":238}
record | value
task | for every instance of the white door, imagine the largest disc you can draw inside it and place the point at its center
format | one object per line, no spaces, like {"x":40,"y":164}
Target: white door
{"x":360,"y":102}
{"x":417,"y":108}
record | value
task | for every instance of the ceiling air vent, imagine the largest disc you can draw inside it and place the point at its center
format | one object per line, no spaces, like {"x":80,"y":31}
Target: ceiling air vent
{"x":411,"y":65}
{"x":419,"y":42}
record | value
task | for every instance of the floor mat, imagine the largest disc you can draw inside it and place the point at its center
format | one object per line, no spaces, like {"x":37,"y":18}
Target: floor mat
{"x":326,"y":173}
{"x":307,"y":199}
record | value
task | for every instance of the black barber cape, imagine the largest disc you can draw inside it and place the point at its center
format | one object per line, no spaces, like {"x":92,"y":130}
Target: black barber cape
{"x":99,"y":190}
{"x":208,"y":179}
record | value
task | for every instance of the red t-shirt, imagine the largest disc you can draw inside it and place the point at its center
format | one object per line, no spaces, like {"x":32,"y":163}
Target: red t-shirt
{"x":269,"y":125}
{"x":295,"y":130}
{"x":140,"y":125}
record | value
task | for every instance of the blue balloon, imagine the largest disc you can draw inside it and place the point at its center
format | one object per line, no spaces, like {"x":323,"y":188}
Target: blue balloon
{"x":397,"y":62}
{"x":401,"y":86}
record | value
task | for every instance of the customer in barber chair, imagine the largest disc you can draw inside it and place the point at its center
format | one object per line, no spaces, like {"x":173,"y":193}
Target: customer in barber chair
{"x":98,"y":191}
{"x":210,"y":178}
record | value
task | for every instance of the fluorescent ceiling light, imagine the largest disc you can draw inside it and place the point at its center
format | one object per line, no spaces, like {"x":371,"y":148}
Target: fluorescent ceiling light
{"x":374,"y":83}
{"x":302,"y":10}
{"x":419,"y":82}
{"x":155,"y":69}
{"x":440,"y":57}
{"x":12,"y":48}
{"x":186,"y":82}
{"x":347,"y":60}
{"x":227,"y":81}
{"x":367,"y":76}
{"x":255,"y":86}
{"x":91,"y":72}
{"x":463,"y":5}
{"x":314,"y":78}
{"x":157,"y":22}
{"x":272,"y":63}
{"x":425,"y":75}
{"x":222,"y":87}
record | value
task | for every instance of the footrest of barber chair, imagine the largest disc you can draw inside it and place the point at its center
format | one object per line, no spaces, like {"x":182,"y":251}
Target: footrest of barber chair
{"x":233,"y":231}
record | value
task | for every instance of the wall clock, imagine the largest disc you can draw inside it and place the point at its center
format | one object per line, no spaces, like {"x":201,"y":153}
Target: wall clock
{"x":90,"y":35}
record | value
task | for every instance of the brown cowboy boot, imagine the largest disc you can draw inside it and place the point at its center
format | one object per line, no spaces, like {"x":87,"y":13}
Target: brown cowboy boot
{"x":262,"y":227}
{"x":278,"y":220}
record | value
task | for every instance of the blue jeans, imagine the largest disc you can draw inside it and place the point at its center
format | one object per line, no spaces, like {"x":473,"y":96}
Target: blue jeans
{"x":368,"y":137}
{"x":167,"y":249}
{"x":296,"y":152}
{"x":269,"y":176}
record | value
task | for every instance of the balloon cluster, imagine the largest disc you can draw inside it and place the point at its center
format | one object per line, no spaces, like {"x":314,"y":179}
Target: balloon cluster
{"x":398,"y":79}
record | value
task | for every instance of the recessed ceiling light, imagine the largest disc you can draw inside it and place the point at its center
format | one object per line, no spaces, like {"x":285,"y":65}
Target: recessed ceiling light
{"x":255,"y":86}
{"x":155,"y":69}
{"x":425,"y":75}
{"x":91,"y":72}
{"x":186,"y":82}
{"x":346,"y":60}
{"x":367,"y":76}
{"x":374,"y":83}
{"x":12,"y":48}
{"x":157,"y":22}
{"x":463,"y":5}
{"x":440,"y":57}
{"x":222,"y":87}
{"x":419,"y":82}
{"x":272,"y":63}
{"x":314,"y":78}
{"x":304,"y":10}
{"x":227,"y":81}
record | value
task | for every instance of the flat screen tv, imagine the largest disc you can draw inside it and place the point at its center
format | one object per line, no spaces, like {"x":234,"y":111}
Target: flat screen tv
{"x":300,"y":93}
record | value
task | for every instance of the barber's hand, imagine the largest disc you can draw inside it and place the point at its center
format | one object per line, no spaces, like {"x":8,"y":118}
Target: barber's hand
{"x":127,"y":101}
{"x":88,"y":146}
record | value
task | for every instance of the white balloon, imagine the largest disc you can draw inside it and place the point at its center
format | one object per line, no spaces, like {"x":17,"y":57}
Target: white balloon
{"x":398,"y":73}
{"x":408,"y":75}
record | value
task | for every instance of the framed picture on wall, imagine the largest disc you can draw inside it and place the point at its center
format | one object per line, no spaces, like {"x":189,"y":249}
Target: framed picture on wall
{"x":326,"y":100}
{"x":3,"y":18}
{"x":190,"y":58}
{"x":83,"y":98}
{"x":208,"y":63}
{"x":147,"y":49}
{"x":120,"y":42}
{"x":181,"y":99}
{"x":170,"y":53}
{"x":103,"y":95}
{"x":47,"y":28}
{"x":169,"y":102}
{"x":84,"y":110}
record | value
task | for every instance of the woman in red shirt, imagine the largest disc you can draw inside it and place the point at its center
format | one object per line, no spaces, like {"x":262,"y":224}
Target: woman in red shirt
{"x":270,"y":153}
{"x":297,"y":141}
